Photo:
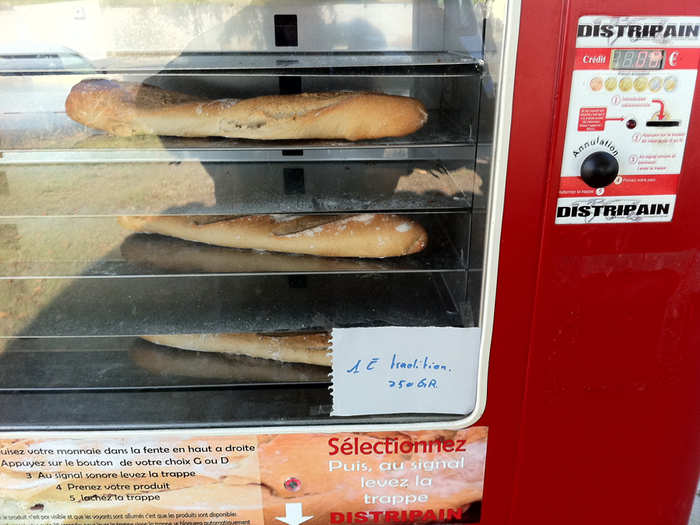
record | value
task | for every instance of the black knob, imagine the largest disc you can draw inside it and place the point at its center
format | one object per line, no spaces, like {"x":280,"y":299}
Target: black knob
{"x":599,"y":169}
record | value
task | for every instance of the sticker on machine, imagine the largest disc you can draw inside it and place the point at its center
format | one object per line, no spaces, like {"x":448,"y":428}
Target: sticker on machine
{"x":152,"y":478}
{"x":604,"y":210}
{"x":632,"y":89}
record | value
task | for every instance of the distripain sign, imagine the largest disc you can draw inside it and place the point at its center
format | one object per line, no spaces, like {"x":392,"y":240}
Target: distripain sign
{"x":399,"y":516}
{"x":630,"y":108}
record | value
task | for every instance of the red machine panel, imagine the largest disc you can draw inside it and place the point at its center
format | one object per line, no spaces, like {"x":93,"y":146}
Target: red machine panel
{"x":608,"y":431}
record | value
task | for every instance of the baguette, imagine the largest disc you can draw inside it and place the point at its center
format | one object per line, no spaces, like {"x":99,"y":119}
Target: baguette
{"x":129,"y":108}
{"x":169,"y":361}
{"x":181,"y":256}
{"x":365,"y":235}
{"x":308,"y":348}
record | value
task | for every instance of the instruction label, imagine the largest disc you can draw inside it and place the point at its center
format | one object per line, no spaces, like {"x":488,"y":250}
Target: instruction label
{"x":144,"y":479}
{"x":632,"y":92}
{"x":130,"y":481}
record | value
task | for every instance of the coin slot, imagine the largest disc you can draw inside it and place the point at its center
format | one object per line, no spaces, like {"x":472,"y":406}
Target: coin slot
{"x":292,"y":152}
{"x":663,"y":123}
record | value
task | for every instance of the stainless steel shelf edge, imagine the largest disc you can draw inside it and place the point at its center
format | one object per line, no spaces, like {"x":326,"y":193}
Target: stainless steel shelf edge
{"x":310,"y":154}
{"x":213,"y":304}
{"x":256,"y":409}
{"x":296,"y":62}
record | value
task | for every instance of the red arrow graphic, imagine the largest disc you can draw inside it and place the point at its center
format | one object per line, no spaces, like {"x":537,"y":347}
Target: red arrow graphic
{"x":620,"y":119}
{"x":661,"y":111}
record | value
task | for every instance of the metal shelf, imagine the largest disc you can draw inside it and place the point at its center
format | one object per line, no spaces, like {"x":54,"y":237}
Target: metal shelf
{"x":87,"y":247}
{"x":127,"y":363}
{"x":190,"y":408}
{"x":216,"y":304}
{"x":245,"y":63}
{"x":62,"y":190}
{"x":165,"y":149}
{"x":53,"y":137}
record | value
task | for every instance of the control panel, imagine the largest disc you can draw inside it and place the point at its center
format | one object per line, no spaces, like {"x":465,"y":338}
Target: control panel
{"x":631,"y":98}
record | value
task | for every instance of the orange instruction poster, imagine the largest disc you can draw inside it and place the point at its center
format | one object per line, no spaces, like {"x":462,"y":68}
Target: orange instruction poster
{"x":153,"y":478}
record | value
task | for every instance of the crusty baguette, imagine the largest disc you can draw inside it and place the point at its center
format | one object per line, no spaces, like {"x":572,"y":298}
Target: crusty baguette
{"x":365,"y":235}
{"x":169,"y":361}
{"x":129,"y":108}
{"x":182,"y":256}
{"x":310,"y":348}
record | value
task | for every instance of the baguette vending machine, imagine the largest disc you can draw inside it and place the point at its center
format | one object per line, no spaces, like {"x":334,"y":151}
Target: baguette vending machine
{"x":412,"y":261}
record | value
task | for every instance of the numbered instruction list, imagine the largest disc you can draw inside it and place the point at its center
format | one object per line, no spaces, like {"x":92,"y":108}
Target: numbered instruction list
{"x":126,"y":482}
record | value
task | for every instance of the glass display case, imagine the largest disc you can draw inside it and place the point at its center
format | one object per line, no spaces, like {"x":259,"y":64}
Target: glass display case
{"x":82,"y":298}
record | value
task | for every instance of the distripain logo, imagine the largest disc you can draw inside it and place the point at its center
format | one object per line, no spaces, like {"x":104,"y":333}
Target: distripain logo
{"x":398,"y":516}
{"x":636,"y":31}
{"x":613,"y":210}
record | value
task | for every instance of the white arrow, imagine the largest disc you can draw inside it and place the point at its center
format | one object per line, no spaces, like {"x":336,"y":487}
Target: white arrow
{"x":294,"y":514}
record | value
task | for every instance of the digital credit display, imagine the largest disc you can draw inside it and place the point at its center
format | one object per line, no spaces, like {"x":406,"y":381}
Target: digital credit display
{"x":637,"y":59}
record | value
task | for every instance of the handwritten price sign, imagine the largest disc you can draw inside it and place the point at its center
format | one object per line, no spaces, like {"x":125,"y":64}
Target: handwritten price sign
{"x":397,"y":370}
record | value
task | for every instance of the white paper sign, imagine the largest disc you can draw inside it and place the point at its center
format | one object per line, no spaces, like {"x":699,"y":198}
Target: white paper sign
{"x":392,"y":370}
